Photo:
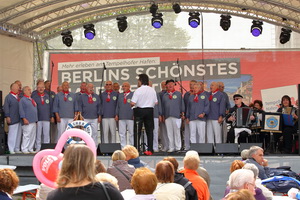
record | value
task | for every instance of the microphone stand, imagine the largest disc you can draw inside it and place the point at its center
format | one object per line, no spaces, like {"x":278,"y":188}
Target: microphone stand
{"x":104,"y":68}
{"x":180,"y":80}
{"x":51,"y":76}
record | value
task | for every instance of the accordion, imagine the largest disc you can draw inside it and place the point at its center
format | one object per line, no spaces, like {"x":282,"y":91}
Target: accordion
{"x":243,"y":117}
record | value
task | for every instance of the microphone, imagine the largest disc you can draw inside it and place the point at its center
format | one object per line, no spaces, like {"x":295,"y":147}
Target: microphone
{"x":104,"y":67}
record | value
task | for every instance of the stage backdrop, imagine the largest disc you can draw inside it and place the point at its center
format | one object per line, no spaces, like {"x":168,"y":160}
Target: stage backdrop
{"x":255,"y":74}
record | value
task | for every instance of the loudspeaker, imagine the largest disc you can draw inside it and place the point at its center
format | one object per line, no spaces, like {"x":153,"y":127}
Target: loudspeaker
{"x":109,"y":148}
{"x":2,"y":144}
{"x":248,"y":145}
{"x":48,"y":146}
{"x":202,"y":147}
{"x":227,"y":148}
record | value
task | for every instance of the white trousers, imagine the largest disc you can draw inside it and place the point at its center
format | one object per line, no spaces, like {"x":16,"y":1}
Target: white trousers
{"x":14,"y":137}
{"x":163,"y":136}
{"x":214,"y":131}
{"x":173,"y":131}
{"x":43,"y":128}
{"x":61,"y":127}
{"x":187,"y":144}
{"x":109,"y":125}
{"x":94,"y":126}
{"x":225,"y":131}
{"x":197,"y":131}
{"x":124,"y":126}
{"x":155,"y":134}
{"x":29,"y":134}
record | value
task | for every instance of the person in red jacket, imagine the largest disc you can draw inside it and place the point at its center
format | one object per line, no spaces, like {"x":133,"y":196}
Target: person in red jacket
{"x":191,"y":164}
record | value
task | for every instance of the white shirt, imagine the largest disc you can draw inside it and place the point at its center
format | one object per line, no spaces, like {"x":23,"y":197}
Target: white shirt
{"x":144,"y":97}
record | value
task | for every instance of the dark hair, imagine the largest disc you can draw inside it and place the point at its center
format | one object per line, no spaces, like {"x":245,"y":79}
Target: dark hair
{"x":144,"y":79}
{"x":164,"y":172}
{"x":259,"y":102}
{"x":288,"y":98}
{"x":173,"y":161}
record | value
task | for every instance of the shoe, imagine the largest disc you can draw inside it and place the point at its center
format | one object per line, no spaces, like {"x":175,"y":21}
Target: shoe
{"x":18,"y":151}
{"x":32,"y":152}
{"x":11,"y":152}
{"x":26,"y":152}
{"x":170,"y":150}
{"x":156,"y":151}
{"x":148,"y":153}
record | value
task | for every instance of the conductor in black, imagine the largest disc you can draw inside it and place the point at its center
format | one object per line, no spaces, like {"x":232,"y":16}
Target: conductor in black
{"x":143,"y":101}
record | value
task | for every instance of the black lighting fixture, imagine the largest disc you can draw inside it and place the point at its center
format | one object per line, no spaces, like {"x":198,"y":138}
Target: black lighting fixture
{"x":122,"y":23}
{"x":157,"y":20}
{"x":256,"y":28}
{"x":285,"y":35}
{"x":67,"y":38}
{"x":89,"y":31}
{"x":176,"y":8}
{"x":153,"y":8}
{"x":194,"y":19}
{"x":225,"y":22}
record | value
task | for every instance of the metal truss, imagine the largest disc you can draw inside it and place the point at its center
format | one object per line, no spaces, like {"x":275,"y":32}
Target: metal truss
{"x":53,"y":16}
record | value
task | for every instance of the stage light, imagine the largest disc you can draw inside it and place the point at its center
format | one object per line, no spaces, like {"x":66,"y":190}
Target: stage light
{"x":176,"y":8}
{"x":67,"y":38}
{"x":225,"y":22}
{"x":122,"y":23}
{"x":157,"y":20}
{"x":285,"y":35}
{"x":153,"y":8}
{"x":194,"y":19}
{"x":256,"y":28}
{"x":89,"y":31}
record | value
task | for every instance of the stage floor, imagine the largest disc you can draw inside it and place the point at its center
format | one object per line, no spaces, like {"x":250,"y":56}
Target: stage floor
{"x":217,"y":166}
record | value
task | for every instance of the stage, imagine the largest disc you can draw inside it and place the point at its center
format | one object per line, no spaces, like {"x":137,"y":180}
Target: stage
{"x":217,"y":166}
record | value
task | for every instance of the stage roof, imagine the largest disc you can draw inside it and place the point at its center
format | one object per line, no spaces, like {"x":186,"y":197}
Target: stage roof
{"x":44,"y":19}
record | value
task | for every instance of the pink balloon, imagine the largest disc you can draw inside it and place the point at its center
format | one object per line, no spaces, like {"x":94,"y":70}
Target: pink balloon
{"x":38,"y":158}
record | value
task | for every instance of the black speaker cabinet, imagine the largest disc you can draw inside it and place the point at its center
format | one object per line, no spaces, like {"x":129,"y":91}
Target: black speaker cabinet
{"x":248,"y":145}
{"x":202,"y":148}
{"x":109,"y":148}
{"x":48,"y":146}
{"x":231,"y":148}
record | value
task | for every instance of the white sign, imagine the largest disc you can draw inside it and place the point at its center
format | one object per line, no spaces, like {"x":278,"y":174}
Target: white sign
{"x":271,"y":98}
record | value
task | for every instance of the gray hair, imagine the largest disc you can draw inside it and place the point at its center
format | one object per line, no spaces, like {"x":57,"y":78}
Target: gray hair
{"x":251,"y":167}
{"x":245,"y":154}
{"x":239,"y":178}
{"x":253,"y":150}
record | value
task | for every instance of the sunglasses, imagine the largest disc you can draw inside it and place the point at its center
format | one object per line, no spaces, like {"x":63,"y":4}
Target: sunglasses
{"x":108,"y":84}
{"x":237,"y":99}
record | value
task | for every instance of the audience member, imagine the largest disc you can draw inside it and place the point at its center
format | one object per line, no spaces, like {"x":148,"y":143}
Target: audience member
{"x":265,"y":191}
{"x":256,"y":157}
{"x":132,"y":157}
{"x":100,"y":167}
{"x":166,"y":188}
{"x":236,"y":164}
{"x":191,"y":164}
{"x":77,"y":180}
{"x":241,"y":179}
{"x":108,"y":178}
{"x":245,"y":154}
{"x":201,"y":171}
{"x":9,"y":181}
{"x":190,"y":192}
{"x":241,"y":195}
{"x":144,"y":183}
{"x":121,"y":170}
